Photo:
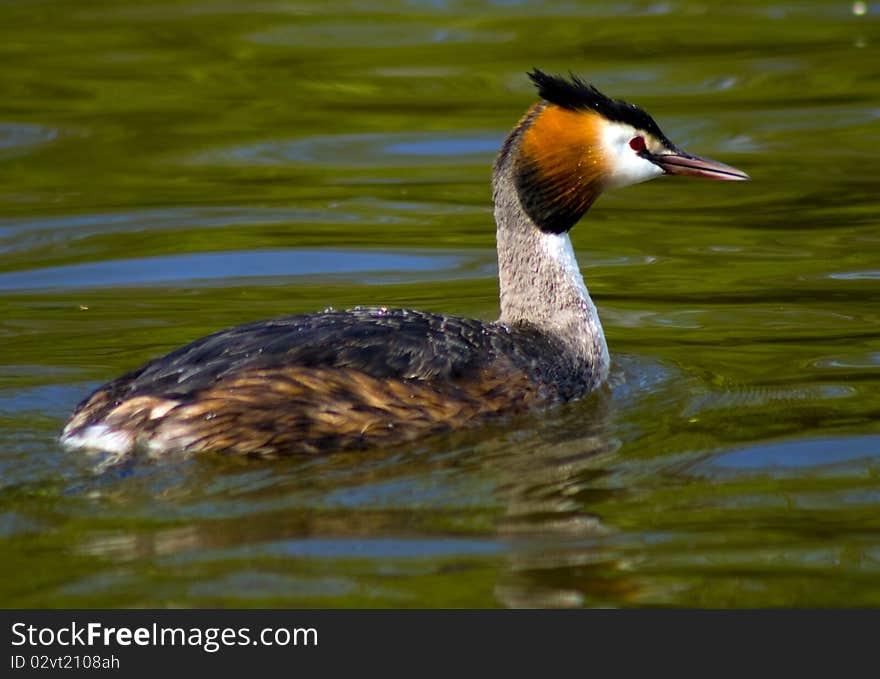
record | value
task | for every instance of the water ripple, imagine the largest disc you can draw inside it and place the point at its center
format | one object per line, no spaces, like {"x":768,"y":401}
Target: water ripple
{"x":793,"y":457}
{"x":340,"y":35}
{"x":368,"y":150}
{"x":18,"y":138}
{"x":222,"y":265}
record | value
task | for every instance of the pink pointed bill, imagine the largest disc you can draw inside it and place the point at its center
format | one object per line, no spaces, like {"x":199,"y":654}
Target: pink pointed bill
{"x":693,"y":166}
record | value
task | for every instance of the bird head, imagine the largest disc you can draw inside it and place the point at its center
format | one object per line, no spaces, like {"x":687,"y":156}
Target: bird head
{"x":577,"y":142}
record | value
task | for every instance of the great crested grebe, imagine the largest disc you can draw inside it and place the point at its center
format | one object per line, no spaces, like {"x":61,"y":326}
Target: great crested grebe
{"x":371,"y":376}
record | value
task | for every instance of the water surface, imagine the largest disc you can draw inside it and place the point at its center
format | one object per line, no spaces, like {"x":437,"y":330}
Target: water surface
{"x":171,"y":168}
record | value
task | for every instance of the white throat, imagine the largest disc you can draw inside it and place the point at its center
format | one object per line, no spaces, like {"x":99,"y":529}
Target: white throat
{"x":559,"y":249}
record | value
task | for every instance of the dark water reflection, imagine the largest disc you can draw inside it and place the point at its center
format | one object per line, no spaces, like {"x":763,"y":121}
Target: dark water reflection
{"x":192,"y":165}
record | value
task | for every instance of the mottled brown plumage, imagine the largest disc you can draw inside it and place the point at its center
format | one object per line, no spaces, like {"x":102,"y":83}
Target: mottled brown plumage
{"x":334,"y":380}
{"x":290,"y":409}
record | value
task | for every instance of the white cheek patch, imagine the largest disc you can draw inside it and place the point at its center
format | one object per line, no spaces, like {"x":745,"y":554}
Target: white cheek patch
{"x":623,"y":165}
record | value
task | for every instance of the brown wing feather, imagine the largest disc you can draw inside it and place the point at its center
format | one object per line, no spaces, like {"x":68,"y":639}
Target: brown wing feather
{"x":295,"y":409}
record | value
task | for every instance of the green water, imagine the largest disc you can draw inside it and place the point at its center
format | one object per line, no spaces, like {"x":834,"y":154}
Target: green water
{"x":171,"y":168}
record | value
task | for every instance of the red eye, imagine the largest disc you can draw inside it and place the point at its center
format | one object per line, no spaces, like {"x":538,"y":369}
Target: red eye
{"x":637,"y":144}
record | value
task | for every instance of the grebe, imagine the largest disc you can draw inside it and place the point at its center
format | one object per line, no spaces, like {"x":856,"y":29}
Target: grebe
{"x":372,"y":376}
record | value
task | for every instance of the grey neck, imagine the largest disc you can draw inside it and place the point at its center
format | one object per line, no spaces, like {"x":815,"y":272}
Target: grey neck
{"x":541,"y":284}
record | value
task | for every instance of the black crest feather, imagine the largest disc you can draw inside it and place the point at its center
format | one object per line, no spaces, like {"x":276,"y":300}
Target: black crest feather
{"x":575,"y":94}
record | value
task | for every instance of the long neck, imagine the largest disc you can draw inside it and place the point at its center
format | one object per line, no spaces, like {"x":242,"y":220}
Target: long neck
{"x":541,"y":284}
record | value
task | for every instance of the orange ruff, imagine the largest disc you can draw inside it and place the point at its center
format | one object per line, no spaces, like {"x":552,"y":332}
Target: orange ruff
{"x":564,"y":147}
